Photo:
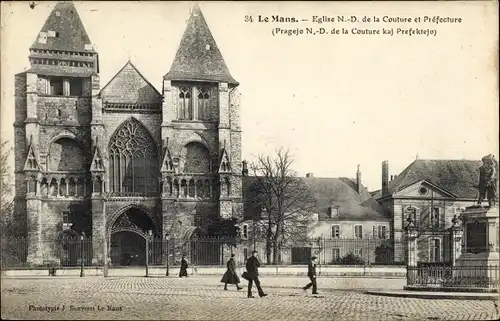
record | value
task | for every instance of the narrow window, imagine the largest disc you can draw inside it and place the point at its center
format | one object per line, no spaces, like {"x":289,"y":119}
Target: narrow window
{"x":245,"y":231}
{"x":76,"y":87}
{"x":336,"y":231}
{"x":382,"y":232}
{"x":203,"y":103}
{"x":335,"y":255}
{"x":358,"y":231}
{"x":56,"y":86}
{"x":435,"y":217}
{"x":185,"y":110}
{"x":435,"y":250}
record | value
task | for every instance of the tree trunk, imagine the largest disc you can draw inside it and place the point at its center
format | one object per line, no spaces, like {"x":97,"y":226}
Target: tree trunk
{"x":268,"y":244}
{"x":275,"y":252}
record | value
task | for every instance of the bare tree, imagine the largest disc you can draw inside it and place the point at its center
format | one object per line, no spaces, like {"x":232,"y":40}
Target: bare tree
{"x":5,"y":180}
{"x":286,"y":201}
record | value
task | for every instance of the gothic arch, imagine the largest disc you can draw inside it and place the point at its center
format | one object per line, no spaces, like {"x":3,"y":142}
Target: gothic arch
{"x":195,"y":157}
{"x":64,"y":133}
{"x":66,"y":152}
{"x":133,"y":160}
{"x":197,"y":138}
{"x":113,"y":217}
{"x":72,"y":234}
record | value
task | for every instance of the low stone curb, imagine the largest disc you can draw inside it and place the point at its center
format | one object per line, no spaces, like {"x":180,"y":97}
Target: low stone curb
{"x":436,"y":295}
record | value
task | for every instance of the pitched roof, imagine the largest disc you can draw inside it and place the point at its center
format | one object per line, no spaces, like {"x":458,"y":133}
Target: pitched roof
{"x":458,"y":177}
{"x":69,"y":32}
{"x":129,"y":86}
{"x":198,"y":57}
{"x":339,"y":192}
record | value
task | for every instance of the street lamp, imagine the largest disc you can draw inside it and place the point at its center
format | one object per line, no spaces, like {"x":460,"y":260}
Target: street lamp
{"x":82,"y":237}
{"x":149,"y":236}
{"x":167,"y":238}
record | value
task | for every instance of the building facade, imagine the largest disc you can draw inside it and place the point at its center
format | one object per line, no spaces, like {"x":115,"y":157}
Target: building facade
{"x":432,"y":192}
{"x":117,"y":160}
{"x":347,"y":221}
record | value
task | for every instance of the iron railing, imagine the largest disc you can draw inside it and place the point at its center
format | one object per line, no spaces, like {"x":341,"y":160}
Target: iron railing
{"x":206,"y":251}
{"x":454,"y":277}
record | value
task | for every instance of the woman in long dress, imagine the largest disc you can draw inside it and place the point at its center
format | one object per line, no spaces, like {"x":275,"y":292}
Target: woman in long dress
{"x":184,"y":266}
{"x":231,"y":277}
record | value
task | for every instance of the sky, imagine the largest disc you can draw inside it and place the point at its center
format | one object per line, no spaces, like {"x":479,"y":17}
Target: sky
{"x":335,"y":101}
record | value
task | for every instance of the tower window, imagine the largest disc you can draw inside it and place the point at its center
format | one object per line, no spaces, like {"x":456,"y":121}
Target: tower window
{"x":56,"y":86}
{"x":203,"y":103}
{"x":185,"y":103}
{"x":76,"y":87}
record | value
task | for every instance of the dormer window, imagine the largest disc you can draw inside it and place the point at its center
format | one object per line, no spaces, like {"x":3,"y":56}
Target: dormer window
{"x":334,"y":211}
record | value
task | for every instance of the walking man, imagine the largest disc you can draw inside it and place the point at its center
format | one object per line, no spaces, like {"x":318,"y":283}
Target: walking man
{"x":311,"y":273}
{"x":252,"y":267}
{"x":231,"y":277}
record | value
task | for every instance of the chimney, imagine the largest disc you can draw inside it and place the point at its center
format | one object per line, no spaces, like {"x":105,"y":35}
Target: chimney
{"x":358,"y":180}
{"x":309,"y":175}
{"x":244,"y":170}
{"x":385,"y":178}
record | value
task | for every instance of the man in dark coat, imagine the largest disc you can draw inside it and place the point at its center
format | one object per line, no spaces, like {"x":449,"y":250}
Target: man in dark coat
{"x":230,"y":277}
{"x":311,"y":273}
{"x":184,"y":266}
{"x":252,"y":267}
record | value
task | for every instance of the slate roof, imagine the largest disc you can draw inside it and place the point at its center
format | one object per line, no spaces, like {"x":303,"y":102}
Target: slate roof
{"x":339,"y":192}
{"x":198,"y":58}
{"x":130,"y":86}
{"x":64,"y":20}
{"x":458,"y":177}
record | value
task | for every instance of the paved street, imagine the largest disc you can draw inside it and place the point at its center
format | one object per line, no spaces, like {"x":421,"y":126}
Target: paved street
{"x":203,"y":298}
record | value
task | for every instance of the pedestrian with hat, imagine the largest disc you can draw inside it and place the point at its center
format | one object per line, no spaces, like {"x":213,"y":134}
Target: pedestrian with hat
{"x":231,"y":277}
{"x":252,"y":275}
{"x":311,"y":273}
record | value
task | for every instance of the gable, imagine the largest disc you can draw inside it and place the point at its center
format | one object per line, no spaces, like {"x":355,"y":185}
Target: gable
{"x":130,"y":87}
{"x":422,"y":189}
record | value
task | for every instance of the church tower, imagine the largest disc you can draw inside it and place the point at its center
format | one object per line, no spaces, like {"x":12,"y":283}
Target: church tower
{"x":201,"y":133}
{"x":53,"y":104}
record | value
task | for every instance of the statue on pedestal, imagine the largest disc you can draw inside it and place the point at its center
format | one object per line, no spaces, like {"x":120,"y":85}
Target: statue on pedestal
{"x":488,"y":180}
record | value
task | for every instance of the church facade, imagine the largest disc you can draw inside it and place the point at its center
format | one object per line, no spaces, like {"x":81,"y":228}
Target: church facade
{"x":122,"y":158}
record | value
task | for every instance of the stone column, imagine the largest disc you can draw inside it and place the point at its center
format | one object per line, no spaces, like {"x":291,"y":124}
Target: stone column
{"x":99,"y":238}
{"x":411,"y":239}
{"x":456,"y":237}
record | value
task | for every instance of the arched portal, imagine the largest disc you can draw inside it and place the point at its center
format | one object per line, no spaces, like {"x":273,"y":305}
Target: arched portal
{"x":128,"y":238}
{"x":133,"y":160}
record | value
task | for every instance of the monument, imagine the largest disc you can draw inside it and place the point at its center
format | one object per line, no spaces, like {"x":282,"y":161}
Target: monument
{"x":480,"y":248}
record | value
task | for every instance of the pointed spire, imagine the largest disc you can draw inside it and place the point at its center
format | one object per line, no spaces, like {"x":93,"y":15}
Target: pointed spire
{"x":225,"y":164}
{"x":63,"y":30}
{"x":167,"y":164}
{"x":198,"y":57}
{"x":31,"y":163}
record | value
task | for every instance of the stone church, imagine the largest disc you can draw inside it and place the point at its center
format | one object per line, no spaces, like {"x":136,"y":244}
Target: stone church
{"x":105,"y":160}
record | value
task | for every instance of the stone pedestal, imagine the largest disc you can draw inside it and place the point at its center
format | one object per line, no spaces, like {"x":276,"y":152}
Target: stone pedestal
{"x":480,"y":252}
{"x":412,"y":247}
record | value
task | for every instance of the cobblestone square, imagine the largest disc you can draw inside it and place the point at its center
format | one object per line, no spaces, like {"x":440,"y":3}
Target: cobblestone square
{"x":203,"y":298}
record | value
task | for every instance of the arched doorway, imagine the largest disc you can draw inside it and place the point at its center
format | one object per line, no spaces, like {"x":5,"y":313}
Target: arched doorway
{"x":128,"y":238}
